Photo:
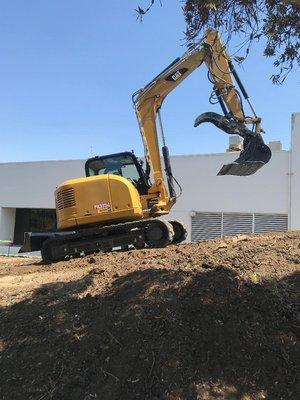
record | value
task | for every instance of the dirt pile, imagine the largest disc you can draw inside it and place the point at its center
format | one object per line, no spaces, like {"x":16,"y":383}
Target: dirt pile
{"x":215,"y":320}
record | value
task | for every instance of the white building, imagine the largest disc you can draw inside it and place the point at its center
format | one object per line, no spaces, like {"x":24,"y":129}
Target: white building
{"x":210,"y":205}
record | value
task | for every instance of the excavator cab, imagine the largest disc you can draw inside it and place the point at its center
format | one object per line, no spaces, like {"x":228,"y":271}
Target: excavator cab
{"x":124,"y":164}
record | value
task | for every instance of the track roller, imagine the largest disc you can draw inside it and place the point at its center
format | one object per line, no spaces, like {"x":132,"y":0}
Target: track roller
{"x":180,"y":232}
{"x":47,"y":251}
{"x":159,"y":233}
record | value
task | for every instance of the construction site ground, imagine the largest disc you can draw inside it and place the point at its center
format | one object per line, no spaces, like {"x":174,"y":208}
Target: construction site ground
{"x":213,"y":320}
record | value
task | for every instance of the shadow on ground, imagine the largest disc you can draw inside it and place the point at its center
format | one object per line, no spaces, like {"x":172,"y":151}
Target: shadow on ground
{"x":154,"y":334}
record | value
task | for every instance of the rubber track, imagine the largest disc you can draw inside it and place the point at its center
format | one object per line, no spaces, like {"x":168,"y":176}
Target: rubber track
{"x":122,"y":234}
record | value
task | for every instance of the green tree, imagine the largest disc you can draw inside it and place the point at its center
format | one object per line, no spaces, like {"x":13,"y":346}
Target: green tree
{"x":276,"y":22}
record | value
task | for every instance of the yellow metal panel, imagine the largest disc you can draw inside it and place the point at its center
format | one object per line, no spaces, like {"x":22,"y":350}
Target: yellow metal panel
{"x":149,"y":101}
{"x":123,"y":194}
{"x":98,"y":199}
{"x":218,"y":64}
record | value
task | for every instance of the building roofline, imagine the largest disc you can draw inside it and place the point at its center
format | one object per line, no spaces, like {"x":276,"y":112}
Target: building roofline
{"x":172,"y":156}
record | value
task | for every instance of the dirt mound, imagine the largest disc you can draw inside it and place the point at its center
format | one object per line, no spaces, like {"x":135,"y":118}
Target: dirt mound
{"x":215,"y":320}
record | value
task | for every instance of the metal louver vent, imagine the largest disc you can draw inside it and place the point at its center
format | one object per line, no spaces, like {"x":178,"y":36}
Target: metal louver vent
{"x":65,"y":198}
{"x":213,"y":225}
{"x":270,"y":222}
{"x":206,"y":226}
{"x":234,"y":224}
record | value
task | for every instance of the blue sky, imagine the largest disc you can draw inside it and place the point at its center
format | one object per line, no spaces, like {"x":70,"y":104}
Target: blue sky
{"x":68,"y":69}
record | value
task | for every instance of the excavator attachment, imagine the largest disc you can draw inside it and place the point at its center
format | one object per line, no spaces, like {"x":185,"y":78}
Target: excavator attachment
{"x":255,"y":153}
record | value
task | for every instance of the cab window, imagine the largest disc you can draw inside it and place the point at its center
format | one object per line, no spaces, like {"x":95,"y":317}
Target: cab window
{"x":119,"y":165}
{"x":122,"y":164}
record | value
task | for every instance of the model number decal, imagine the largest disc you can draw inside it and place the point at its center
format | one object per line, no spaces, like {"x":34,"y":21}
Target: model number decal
{"x":102,"y":207}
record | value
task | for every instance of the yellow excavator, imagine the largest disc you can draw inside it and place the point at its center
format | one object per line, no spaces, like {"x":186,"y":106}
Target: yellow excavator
{"x":117,"y":204}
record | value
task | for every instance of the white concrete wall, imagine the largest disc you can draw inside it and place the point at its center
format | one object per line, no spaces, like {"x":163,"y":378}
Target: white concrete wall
{"x":295,"y":174}
{"x":205,"y":191}
{"x":32,"y":184}
{"x":7,"y":224}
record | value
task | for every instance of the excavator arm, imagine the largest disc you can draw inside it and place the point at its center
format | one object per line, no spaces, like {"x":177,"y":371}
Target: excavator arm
{"x":222,"y":74}
{"x":147,"y":102}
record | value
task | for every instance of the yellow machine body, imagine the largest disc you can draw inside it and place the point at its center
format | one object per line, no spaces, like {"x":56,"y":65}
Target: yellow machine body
{"x":117,"y":202}
{"x":96,"y":200}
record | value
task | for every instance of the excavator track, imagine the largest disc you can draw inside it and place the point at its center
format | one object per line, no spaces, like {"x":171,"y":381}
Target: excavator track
{"x":139,"y":234}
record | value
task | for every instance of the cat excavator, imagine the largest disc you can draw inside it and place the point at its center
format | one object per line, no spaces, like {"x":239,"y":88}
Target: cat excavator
{"x":119,"y":202}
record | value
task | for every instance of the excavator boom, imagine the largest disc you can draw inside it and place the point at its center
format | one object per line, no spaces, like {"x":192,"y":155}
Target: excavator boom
{"x":223,"y":76}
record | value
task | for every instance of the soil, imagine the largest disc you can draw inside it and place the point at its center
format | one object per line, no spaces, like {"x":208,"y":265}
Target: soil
{"x":213,"y":320}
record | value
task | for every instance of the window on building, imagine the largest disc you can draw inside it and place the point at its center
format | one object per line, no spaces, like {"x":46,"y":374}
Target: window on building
{"x":33,"y":220}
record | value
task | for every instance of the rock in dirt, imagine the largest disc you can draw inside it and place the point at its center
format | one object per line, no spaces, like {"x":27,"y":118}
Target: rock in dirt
{"x":96,"y":271}
{"x":240,"y":238}
{"x":222,"y":245}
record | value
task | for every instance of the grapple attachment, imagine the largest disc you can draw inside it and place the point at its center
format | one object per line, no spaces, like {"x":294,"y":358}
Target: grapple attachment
{"x":255,"y":153}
